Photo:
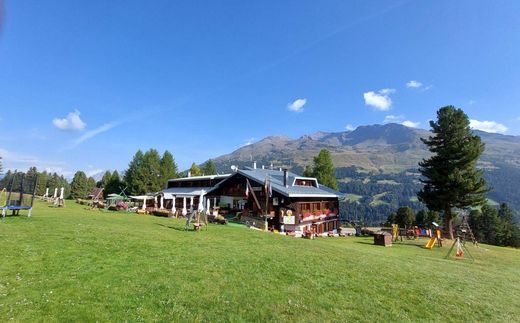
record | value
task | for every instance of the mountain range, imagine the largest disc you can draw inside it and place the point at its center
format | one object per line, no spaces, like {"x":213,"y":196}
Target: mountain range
{"x":384,"y":158}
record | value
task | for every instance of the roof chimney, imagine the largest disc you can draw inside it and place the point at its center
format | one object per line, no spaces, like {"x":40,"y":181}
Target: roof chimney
{"x":285,"y":177}
{"x":254,"y":165}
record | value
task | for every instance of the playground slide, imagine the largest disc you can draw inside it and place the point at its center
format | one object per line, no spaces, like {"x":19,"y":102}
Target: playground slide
{"x":431,"y":242}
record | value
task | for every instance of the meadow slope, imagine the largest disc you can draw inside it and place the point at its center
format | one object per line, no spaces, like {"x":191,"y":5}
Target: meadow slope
{"x":74,"y":264}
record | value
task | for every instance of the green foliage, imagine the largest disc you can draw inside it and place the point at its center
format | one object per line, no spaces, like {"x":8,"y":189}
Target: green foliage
{"x":168,"y":167}
{"x":41,"y":186}
{"x":391,"y":219}
{"x":209,"y":168}
{"x":149,"y":172}
{"x":323,"y":169}
{"x":495,"y":226}
{"x":79,"y":187}
{"x":307,"y":172}
{"x":104,"y":180}
{"x":114,"y":184}
{"x":134,"y":177}
{"x":195,"y":170}
{"x":405,"y":216}
{"x":450,"y":176}
{"x":420,"y":218}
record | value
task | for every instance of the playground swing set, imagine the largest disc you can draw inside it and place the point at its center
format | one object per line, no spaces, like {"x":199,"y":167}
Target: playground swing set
{"x":463,"y":234}
{"x":19,"y":194}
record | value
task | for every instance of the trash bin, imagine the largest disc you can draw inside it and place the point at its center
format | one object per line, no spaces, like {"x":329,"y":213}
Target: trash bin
{"x":382,"y":238}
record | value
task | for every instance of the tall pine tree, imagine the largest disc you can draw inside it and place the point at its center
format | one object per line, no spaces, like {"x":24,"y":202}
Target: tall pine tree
{"x":168,"y":167}
{"x":195,"y":170}
{"x":209,"y":168}
{"x":450,"y":177}
{"x":133,"y":175}
{"x":324,"y":170}
{"x":79,"y":187}
{"x":114,"y":184}
{"x":104,"y":180}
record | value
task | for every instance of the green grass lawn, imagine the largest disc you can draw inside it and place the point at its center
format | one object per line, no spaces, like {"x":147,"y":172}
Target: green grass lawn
{"x":77,"y":265}
{"x":353,"y":197}
{"x":376,"y":199}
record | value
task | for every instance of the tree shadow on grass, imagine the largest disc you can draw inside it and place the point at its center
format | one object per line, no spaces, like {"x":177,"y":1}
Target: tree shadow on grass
{"x":181,"y":229}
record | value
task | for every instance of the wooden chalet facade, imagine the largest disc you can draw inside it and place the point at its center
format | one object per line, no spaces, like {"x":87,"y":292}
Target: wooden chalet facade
{"x":292,"y":203}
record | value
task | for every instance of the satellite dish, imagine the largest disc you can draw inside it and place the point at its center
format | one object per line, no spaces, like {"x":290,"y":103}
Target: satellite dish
{"x":234,"y":168}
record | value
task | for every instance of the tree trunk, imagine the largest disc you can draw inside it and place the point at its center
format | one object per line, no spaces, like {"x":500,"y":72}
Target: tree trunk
{"x":448,"y":222}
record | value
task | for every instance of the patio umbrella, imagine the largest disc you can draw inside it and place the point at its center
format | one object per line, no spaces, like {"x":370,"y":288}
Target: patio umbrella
{"x":61,"y":193}
{"x":191,"y":202}
{"x":201,"y":203}
{"x":46,"y":192}
{"x":184,"y":211}
{"x":162,"y":202}
{"x":208,"y":205}
{"x":173,"y":205}
{"x":55,"y":193}
{"x":144,"y":203}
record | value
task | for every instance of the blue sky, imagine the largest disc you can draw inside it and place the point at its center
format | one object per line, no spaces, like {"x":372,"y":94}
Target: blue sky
{"x":83,"y":85}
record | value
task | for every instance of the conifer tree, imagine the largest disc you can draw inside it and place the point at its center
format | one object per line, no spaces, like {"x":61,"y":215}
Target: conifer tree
{"x":324,"y":169}
{"x":41,"y":186}
{"x":150,"y":171}
{"x":195,"y":170}
{"x":209,"y":167}
{"x":91,"y":183}
{"x":133,"y":175}
{"x":307,"y":172}
{"x":104,"y":180}
{"x":79,"y":185}
{"x":168,"y":168}
{"x":114,"y":184}
{"x":450,"y":176}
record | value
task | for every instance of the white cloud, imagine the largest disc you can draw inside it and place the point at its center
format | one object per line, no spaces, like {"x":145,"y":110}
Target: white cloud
{"x":411,"y":124}
{"x":380,"y":100}
{"x":350,"y":127}
{"x":400,"y":119}
{"x":72,"y":122}
{"x":393,"y":119}
{"x":297,"y":105}
{"x":414,"y":84}
{"x":487,"y":126}
{"x":92,"y":133}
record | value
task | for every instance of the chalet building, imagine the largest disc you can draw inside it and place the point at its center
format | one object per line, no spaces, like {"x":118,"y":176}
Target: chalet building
{"x":292,"y":203}
{"x":183,"y":193}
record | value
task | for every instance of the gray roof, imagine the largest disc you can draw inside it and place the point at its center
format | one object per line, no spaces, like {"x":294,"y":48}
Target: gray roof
{"x":276,"y":178}
{"x":198,"y":178}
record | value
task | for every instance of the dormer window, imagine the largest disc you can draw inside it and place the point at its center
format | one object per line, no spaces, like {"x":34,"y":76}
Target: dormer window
{"x":312,"y":182}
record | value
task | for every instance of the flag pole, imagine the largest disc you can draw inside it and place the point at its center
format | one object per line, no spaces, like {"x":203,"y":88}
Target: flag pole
{"x":266,"y":201}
